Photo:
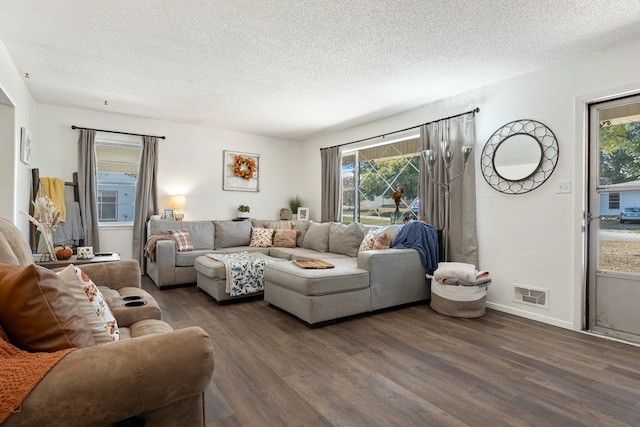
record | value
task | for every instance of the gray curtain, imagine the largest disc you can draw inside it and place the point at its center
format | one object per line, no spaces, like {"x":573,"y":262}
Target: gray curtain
{"x":88,"y":187}
{"x":459,"y":131}
{"x":146,"y":196}
{"x":331,"y":176}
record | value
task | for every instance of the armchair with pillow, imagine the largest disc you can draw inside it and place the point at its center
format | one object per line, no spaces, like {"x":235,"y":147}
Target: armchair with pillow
{"x":98,"y":361}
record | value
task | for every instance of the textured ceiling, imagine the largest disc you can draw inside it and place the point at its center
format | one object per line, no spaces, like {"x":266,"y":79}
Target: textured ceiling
{"x":292,"y":69}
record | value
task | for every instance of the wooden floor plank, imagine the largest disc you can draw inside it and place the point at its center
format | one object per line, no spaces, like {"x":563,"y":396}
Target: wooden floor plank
{"x":404,"y":367}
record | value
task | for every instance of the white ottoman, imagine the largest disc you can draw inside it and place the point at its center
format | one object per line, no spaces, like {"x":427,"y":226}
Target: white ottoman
{"x":458,"y":301}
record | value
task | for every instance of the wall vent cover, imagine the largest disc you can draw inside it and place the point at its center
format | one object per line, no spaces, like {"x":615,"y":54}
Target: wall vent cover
{"x":532,"y":296}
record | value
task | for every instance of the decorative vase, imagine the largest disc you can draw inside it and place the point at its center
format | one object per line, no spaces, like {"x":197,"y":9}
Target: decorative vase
{"x":395,"y":216}
{"x":48,"y":244}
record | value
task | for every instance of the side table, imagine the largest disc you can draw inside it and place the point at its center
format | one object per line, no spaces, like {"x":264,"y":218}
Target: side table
{"x":75,"y":261}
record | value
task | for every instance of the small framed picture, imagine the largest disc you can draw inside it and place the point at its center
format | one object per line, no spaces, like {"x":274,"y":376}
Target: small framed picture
{"x":303,"y":214}
{"x":25,"y":146}
{"x":168,"y":214}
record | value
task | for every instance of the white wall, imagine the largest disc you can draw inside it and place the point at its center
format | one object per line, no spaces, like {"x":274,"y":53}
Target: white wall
{"x":532,"y":239}
{"x":190,"y":163}
{"x":18,"y":110}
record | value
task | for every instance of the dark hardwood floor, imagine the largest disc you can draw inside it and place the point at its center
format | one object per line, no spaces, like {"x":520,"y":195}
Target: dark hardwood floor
{"x":405,"y":367}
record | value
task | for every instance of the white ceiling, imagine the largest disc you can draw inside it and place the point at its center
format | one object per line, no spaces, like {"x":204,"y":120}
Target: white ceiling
{"x":292,"y":69}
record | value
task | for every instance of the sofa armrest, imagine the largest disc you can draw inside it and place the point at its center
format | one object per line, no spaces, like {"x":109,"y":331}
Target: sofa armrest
{"x":163,"y":269}
{"x":396,"y":276}
{"x":114,"y":275}
{"x":106,"y":383}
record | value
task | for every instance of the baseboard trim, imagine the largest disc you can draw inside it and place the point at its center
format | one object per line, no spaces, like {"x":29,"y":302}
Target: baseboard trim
{"x":532,"y":316}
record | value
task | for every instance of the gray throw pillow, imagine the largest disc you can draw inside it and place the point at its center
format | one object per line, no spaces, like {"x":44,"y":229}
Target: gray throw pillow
{"x":345,"y":239}
{"x":302,"y":227}
{"x":317,"y":236}
{"x":230,"y":234}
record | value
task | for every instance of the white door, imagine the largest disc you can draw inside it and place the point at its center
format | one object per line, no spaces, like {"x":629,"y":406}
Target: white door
{"x":613,"y":304}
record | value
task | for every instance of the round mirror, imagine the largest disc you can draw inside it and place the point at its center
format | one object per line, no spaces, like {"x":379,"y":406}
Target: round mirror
{"x":517,"y":157}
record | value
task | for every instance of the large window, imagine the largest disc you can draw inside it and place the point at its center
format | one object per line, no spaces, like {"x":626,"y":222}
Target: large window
{"x":370,"y":176}
{"x":117,"y":163}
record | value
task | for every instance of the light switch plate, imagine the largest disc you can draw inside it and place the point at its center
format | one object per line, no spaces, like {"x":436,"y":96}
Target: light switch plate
{"x":563,"y":187}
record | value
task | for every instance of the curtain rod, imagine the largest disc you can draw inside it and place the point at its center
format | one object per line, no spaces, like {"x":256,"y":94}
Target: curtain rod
{"x":474,"y":111}
{"x":115,"y":131}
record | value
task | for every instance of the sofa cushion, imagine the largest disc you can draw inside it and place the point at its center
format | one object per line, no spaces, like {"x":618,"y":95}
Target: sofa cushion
{"x":302,"y":227}
{"x":73,"y":284}
{"x":317,"y":236}
{"x":285,"y":238}
{"x":182,"y":238}
{"x":261,"y":237}
{"x":232,"y":233}
{"x":186,"y":259}
{"x":345,"y":239}
{"x":38,"y":313}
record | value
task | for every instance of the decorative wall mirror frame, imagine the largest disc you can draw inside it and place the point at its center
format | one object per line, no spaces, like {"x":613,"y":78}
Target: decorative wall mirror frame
{"x":519,"y":157}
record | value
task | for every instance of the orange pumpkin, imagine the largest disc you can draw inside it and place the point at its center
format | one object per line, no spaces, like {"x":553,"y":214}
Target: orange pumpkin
{"x":63,"y":253}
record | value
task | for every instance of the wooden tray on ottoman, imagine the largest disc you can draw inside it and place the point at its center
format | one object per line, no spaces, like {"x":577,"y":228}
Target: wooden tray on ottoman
{"x":312,"y":263}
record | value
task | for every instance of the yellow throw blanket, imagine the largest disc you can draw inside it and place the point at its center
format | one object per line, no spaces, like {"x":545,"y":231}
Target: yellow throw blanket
{"x":20,"y":372}
{"x":53,"y":188}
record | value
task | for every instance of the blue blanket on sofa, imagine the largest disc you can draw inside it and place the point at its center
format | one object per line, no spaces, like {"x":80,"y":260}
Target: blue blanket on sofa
{"x":423,"y":238}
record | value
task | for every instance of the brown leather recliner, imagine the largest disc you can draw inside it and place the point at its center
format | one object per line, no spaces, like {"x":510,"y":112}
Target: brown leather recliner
{"x":152,"y":372}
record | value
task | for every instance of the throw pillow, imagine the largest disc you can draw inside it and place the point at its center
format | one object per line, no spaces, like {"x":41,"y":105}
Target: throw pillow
{"x":102,"y":310}
{"x":277,"y":225}
{"x":261,"y":237}
{"x":182,"y":239}
{"x":383,"y":241}
{"x":229,"y":234}
{"x":301,"y":227}
{"x":317,"y":236}
{"x":76,"y":288}
{"x":285,"y":238}
{"x":345,"y":239}
{"x":38,"y":313}
{"x":367,"y":242}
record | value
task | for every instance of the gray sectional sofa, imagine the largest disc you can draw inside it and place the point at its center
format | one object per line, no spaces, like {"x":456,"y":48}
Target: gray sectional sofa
{"x":361,"y":281}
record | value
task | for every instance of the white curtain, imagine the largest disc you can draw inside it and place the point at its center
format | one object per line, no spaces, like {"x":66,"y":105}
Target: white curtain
{"x":88,"y":187}
{"x":146,"y":196}
{"x":458,"y":131}
{"x":331,"y":177}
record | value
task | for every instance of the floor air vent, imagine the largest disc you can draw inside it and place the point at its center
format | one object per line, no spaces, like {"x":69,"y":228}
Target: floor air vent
{"x":531,"y":296}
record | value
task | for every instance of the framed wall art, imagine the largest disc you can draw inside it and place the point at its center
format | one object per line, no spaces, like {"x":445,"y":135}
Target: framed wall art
{"x":303,"y":214}
{"x":241,"y":171}
{"x":168,"y":214}
{"x":25,"y":146}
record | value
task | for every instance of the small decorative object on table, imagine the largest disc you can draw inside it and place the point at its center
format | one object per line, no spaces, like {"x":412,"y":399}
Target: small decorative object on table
{"x":294,"y":203}
{"x":303,"y":214}
{"x":85,"y":252}
{"x":397,"y":198}
{"x":48,"y":215}
{"x":243,"y":211}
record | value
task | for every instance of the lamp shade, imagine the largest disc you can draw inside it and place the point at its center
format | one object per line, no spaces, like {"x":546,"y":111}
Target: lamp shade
{"x":178,"y":201}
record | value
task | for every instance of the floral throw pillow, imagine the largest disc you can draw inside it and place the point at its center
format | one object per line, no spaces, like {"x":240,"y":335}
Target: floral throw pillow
{"x":183,"y":240}
{"x":261,"y":237}
{"x":96,"y":298}
{"x":367,"y":242}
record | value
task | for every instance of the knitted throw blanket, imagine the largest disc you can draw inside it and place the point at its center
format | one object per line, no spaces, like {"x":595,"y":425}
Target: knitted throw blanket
{"x":20,"y":372}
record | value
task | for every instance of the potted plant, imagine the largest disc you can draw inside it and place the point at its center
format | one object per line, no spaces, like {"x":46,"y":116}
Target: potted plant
{"x":243,"y":211}
{"x":294,"y":203}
